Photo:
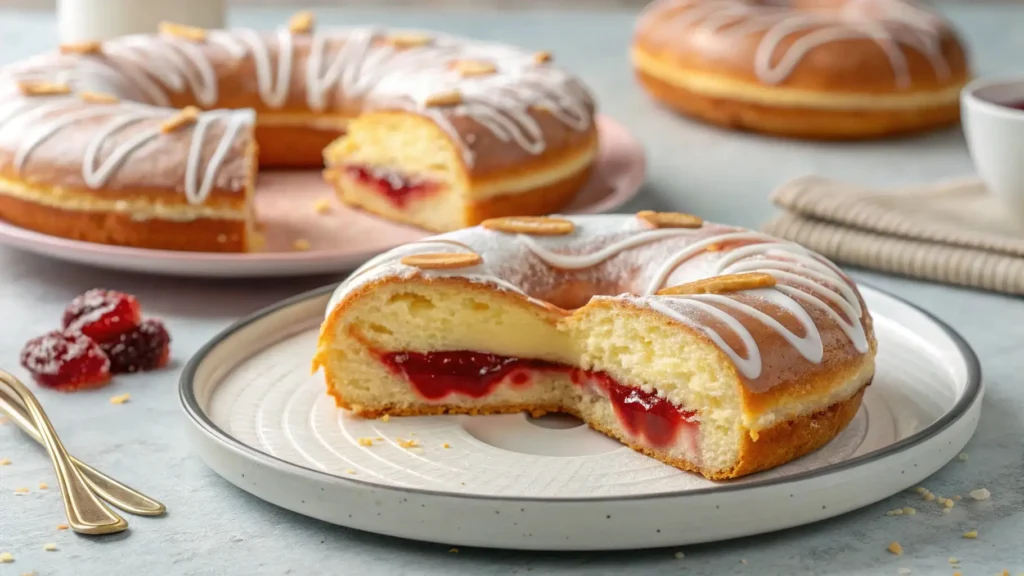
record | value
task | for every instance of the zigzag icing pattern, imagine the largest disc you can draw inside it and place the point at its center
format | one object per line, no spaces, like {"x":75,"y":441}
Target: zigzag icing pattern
{"x":342,"y":67}
{"x":806,"y":282}
{"x":892,"y":24}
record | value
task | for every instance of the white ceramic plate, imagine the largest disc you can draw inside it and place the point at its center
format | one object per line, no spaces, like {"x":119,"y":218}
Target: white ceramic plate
{"x":262,"y":421}
{"x":339,"y":240}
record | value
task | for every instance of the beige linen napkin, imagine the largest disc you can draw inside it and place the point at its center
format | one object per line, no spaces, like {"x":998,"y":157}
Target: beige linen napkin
{"x":952,"y":232}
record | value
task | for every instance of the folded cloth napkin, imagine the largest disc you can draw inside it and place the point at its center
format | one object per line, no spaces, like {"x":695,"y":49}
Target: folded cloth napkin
{"x":953,"y":232}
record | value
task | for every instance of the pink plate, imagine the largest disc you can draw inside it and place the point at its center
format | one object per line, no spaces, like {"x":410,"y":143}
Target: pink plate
{"x":339,"y":240}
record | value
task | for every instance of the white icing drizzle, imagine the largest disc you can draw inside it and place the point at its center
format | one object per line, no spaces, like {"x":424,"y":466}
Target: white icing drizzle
{"x":891,"y":24}
{"x":805,"y":282}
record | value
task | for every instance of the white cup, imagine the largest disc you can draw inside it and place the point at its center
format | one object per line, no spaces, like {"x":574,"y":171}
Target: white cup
{"x":84,"y":20}
{"x":994,"y":126}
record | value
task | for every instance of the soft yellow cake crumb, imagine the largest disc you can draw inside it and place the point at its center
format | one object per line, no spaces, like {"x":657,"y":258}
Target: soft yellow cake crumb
{"x":971,"y":534}
{"x":322,"y":206}
{"x":301,"y":244}
{"x":407,"y":443}
{"x":50,"y":547}
{"x":44,"y":486}
{"x":6,"y":557}
{"x":446,"y":445}
{"x":120,"y":399}
{"x":895,"y":548}
{"x":21,"y":490}
{"x":5,"y":462}
{"x":62,"y":526}
{"x":385,"y":418}
{"x":364,"y":441}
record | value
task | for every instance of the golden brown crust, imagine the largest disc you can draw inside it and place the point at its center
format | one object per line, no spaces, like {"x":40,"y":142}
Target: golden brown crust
{"x":823,"y":124}
{"x":854,"y":65}
{"x":783,"y":442}
{"x":199,"y":235}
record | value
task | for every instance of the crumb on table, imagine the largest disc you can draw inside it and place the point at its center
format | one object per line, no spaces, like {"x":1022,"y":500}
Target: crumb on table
{"x":322,"y":206}
{"x":50,"y":547}
{"x":121,"y":399}
{"x":301,"y":244}
{"x":895,"y":548}
{"x":971,"y":535}
{"x":6,"y":557}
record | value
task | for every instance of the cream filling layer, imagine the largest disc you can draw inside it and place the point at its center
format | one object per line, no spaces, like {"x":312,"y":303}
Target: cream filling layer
{"x":525,"y":183}
{"x":137,"y":208}
{"x":720,"y":86}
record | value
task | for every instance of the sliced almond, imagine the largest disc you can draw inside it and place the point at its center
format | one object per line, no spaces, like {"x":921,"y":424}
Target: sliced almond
{"x":182,"y":31}
{"x":409,"y":40}
{"x":542,"y":57}
{"x":474,"y":67}
{"x":301,"y":23}
{"x":187,"y":116}
{"x":670,"y":219}
{"x":43,"y":88}
{"x":535,"y":225}
{"x":443,"y":261}
{"x":450,"y":98}
{"x":98,"y":97}
{"x":721,"y":284}
{"x":93,"y":47}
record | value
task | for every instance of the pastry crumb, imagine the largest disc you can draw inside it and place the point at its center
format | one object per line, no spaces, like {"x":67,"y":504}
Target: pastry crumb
{"x":301,"y":244}
{"x":929,"y":496}
{"x":385,"y":418}
{"x":896,"y":512}
{"x":948,"y":503}
{"x":322,"y":206}
{"x":956,"y":498}
{"x":378,"y":439}
{"x":909,"y":511}
{"x":50,"y":547}
{"x":953,"y":560}
{"x":980,"y":494}
{"x":921,"y":490}
{"x":895,"y":548}
{"x":958,"y":573}
{"x":5,"y":462}
{"x":971,"y":535}
{"x":680,"y":555}
{"x":364,"y":441}
{"x":62,"y":527}
{"x":946,"y":510}
{"x":350,"y":471}
{"x":6,"y":557}
{"x":44,"y":486}
{"x":120,"y":399}
{"x":407,"y":443}
{"x":743,"y":561}
{"x":21,"y":490}
{"x":962,"y":457}
{"x":454,"y":550}
{"x":446,"y":445}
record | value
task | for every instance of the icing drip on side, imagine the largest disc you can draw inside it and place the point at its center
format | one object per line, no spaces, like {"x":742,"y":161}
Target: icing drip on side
{"x":890,"y":24}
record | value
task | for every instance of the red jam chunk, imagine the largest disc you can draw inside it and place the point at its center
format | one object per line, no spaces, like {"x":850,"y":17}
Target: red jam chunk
{"x":102,"y":314}
{"x":66,"y":361}
{"x":435,"y":375}
{"x":145,"y":347}
{"x":645,"y":414}
{"x":397,"y":188}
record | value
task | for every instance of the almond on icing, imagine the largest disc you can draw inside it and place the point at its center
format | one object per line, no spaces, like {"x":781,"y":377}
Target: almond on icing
{"x":451,"y":98}
{"x":182,"y":31}
{"x":301,"y":22}
{"x":721,"y":284}
{"x":443,"y":260}
{"x":670,"y":219}
{"x":43,"y":88}
{"x":188,"y":115}
{"x":535,"y":225}
{"x":92,"y":47}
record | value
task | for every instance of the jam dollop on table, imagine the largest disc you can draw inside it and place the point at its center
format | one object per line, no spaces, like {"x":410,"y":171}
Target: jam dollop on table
{"x":436,"y":375}
{"x":103,"y":333}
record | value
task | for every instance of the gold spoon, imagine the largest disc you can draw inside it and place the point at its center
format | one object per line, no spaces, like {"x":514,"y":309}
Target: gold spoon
{"x":86,"y":514}
{"x":107,"y":488}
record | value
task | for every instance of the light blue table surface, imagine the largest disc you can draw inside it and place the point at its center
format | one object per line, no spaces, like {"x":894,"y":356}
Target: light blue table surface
{"x":214,"y":528}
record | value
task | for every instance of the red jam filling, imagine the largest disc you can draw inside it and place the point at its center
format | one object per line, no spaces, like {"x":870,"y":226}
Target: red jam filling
{"x":396,"y":187}
{"x":435,"y":375}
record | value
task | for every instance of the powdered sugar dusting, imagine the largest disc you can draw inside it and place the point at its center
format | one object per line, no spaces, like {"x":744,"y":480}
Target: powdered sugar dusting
{"x":48,"y":354}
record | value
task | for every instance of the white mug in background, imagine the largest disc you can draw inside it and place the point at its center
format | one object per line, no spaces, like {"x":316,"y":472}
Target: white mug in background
{"x":992,"y":112}
{"x":84,"y":20}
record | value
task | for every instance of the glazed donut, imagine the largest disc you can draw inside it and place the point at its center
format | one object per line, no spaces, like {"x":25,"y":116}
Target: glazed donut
{"x":711,"y":348}
{"x":154,"y":140}
{"x":819,"y":69}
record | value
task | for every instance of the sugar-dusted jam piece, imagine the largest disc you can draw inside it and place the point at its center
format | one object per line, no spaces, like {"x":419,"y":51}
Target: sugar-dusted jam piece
{"x":66,"y":361}
{"x":436,"y":375}
{"x":644,"y":414}
{"x":397,"y":188}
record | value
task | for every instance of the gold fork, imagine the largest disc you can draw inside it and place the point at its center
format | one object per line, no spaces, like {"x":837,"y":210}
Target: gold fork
{"x":86,"y":513}
{"x":124,"y":497}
